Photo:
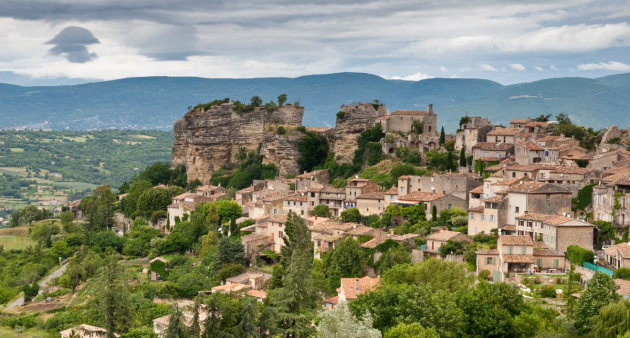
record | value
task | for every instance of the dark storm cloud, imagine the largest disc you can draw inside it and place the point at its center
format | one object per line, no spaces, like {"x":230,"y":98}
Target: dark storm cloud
{"x":72,"y":43}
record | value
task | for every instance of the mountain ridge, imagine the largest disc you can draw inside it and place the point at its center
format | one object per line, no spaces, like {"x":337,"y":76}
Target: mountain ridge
{"x":155,"y":102}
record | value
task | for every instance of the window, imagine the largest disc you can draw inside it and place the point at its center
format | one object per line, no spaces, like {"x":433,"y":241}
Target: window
{"x":523,"y":250}
{"x":513,"y":174}
{"x":529,"y":224}
{"x":450,"y":206}
{"x":547,"y":196}
{"x":492,"y":218}
{"x":555,"y":263}
{"x":539,"y":262}
{"x":489,"y":261}
{"x":548,"y":206}
{"x":472,"y":216}
{"x":516,"y":209}
{"x":521,"y":223}
{"x":483,"y":217}
{"x":510,"y":250}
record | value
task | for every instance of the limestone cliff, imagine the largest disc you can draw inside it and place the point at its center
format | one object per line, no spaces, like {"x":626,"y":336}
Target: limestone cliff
{"x":351,"y":122}
{"x":207,"y":139}
{"x":281,"y":150}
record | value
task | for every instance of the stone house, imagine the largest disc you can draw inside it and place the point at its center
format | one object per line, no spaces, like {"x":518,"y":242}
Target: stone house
{"x":492,"y":152}
{"x":615,"y":187}
{"x":266,"y":234}
{"x":391,"y":195}
{"x":328,"y":195}
{"x":352,"y":287}
{"x":439,"y":238}
{"x":606,"y":159}
{"x":430,"y":199}
{"x":537,"y":197}
{"x":357,"y":187}
{"x":328,"y":234}
{"x":255,"y":280}
{"x":517,"y":254}
{"x":519,"y":123}
{"x":618,"y":255}
{"x":489,"y":216}
{"x":505,"y":135}
{"x":313,"y":179}
{"x":572,"y":178}
{"x":85,"y":331}
{"x":371,"y":203}
{"x":296,"y":203}
{"x":557,"y":232}
{"x":472,"y":132}
{"x":449,"y":183}
{"x":529,"y":153}
{"x":183,"y":205}
{"x":402,"y":121}
{"x":212,"y":192}
{"x":160,"y":325}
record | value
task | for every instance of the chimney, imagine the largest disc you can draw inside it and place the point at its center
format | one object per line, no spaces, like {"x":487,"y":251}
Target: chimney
{"x":430,"y":108}
{"x":356,"y":285}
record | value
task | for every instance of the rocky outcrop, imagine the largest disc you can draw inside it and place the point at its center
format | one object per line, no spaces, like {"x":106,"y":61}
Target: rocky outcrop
{"x":206,"y":140}
{"x":610,"y":134}
{"x":351,"y":122}
{"x":281,"y":150}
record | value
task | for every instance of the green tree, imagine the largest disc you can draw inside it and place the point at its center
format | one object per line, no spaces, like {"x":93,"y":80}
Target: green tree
{"x":282,"y":99}
{"x":413,"y":330}
{"x":351,"y":216}
{"x":599,"y":293}
{"x":442,"y":136}
{"x":340,"y":322}
{"x":346,"y":260}
{"x":613,"y":320}
{"x":176,"y":327}
{"x":462,"y":157}
{"x":247,"y":325}
{"x":313,"y":150}
{"x":66,"y":217}
{"x":130,"y":202}
{"x":439,"y":274}
{"x":113,"y":298}
{"x":434,"y":213}
{"x":489,"y":309}
{"x":321,"y":210}
{"x":231,"y":251}
{"x":393,"y":257}
{"x":295,"y":300}
{"x":195,"y":325}
{"x":570,"y":288}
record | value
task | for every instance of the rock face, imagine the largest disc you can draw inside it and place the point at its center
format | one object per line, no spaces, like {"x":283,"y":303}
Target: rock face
{"x":356,"y":119}
{"x":206,"y":140}
{"x":281,"y":150}
{"x":610,"y":133}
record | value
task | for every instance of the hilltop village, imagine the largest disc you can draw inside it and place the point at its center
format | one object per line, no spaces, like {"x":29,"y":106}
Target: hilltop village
{"x":360,"y":219}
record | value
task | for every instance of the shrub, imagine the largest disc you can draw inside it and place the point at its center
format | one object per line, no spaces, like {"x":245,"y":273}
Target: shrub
{"x":483,"y":275}
{"x":622,"y":273}
{"x":548,"y":291}
{"x":341,"y":115}
{"x":168,"y":290}
{"x":301,"y":129}
{"x":281,"y":130}
{"x":229,"y":270}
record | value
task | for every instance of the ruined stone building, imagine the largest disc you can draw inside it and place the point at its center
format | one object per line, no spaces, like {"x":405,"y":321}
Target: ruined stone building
{"x":473,"y":131}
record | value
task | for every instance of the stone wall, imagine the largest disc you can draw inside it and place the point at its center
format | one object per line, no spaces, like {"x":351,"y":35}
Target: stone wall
{"x":281,"y":150}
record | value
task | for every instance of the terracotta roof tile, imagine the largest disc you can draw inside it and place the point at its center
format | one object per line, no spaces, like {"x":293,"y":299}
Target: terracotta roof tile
{"x":538,"y":188}
{"x":492,"y":146}
{"x":515,"y":240}
{"x":376,"y":195}
{"x":520,"y":121}
{"x":505,"y":131}
{"x":518,"y":258}
{"x":420,"y":196}
{"x":409,"y":112}
{"x":446,"y":235}
{"x":350,"y":289}
{"x":477,"y":190}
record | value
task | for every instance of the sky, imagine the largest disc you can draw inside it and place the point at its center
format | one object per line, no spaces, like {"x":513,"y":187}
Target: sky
{"x":49,"y":42}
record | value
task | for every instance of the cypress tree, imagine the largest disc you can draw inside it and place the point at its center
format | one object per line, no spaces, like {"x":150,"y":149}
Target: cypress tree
{"x":442,"y":137}
{"x":462,"y":157}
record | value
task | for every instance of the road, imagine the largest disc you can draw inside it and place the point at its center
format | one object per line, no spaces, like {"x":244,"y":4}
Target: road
{"x":42,"y":285}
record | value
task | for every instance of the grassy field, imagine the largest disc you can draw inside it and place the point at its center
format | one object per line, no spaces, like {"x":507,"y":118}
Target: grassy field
{"x":34,"y":332}
{"x":15,"y":238}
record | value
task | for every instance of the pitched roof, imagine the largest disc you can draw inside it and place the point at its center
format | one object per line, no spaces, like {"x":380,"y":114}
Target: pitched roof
{"x":376,"y":195}
{"x":538,"y":188}
{"x":382,"y":118}
{"x":445,"y":235}
{"x":356,"y":286}
{"x":518,"y":258}
{"x":512,"y":181}
{"x":620,"y":178}
{"x":487,"y":252}
{"x":420,"y":196}
{"x":623,"y":248}
{"x":505,"y":131}
{"x":516,"y":240}
{"x":493,"y":146}
{"x":478,"y":209}
{"x":531,"y":146}
{"x":260,"y":294}
{"x":547,"y":252}
{"x":623,"y":287}
{"x":571,"y":170}
{"x":477,"y":190}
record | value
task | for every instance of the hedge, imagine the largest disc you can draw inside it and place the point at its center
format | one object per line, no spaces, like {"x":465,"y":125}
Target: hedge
{"x":578,"y":255}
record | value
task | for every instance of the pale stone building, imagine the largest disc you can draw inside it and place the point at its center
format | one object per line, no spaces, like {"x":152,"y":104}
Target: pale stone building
{"x":472,"y":132}
{"x":557,"y":232}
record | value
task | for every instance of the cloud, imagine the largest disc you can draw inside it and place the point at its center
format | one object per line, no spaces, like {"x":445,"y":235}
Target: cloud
{"x":539,"y":68}
{"x":554,"y":68}
{"x":610,"y":65}
{"x":443,"y":69}
{"x":487,"y":67}
{"x":72,"y":43}
{"x":518,"y":67}
{"x":413,"y":77}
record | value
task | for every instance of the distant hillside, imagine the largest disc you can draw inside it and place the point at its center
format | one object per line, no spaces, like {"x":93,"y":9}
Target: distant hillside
{"x":156,"y":102}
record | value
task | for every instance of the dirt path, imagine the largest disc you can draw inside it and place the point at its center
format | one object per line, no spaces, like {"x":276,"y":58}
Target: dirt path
{"x":42,"y":284}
